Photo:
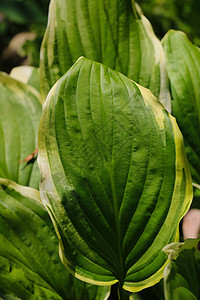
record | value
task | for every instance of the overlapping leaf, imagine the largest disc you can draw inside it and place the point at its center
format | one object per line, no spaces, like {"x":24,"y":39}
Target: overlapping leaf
{"x":181,"y":276}
{"x":30,"y":267}
{"x":114,"y":176}
{"x":19,"y":120}
{"x":28,"y":75}
{"x":183,"y":66}
{"x":112,"y":32}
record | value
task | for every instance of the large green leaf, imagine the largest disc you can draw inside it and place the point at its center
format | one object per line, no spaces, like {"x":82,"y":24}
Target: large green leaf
{"x":30,"y":267}
{"x":112,"y":32}
{"x":114,"y":176}
{"x":19,"y":120}
{"x":183,"y":66}
{"x":181,"y":276}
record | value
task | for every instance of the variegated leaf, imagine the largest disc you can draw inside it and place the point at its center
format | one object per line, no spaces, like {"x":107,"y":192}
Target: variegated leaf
{"x":112,"y":32}
{"x":183,"y":66}
{"x":28,"y":75}
{"x":20,"y":112}
{"x":115,"y":178}
{"x":30,"y":267}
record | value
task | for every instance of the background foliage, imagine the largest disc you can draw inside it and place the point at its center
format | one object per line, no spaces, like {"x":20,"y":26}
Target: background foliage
{"x":19,"y":16}
{"x":173,"y":14}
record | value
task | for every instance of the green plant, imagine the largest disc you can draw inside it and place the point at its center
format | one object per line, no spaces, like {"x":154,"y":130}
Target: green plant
{"x":115,"y":180}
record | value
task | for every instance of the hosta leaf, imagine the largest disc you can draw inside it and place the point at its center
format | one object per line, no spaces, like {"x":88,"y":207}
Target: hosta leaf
{"x":112,"y":32}
{"x":27,"y":74}
{"x":19,"y":120}
{"x":114,"y":176}
{"x":30,"y":267}
{"x":181,"y":275}
{"x":183,"y":66}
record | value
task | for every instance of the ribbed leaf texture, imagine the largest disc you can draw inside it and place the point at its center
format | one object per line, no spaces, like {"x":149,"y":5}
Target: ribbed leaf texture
{"x":183,"y":66}
{"x":30,"y":267}
{"x":111,"y":32}
{"x":20,"y":109}
{"x":181,"y":275}
{"x":114,"y":176}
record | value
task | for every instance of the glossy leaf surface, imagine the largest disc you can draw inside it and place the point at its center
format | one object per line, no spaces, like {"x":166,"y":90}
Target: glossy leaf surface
{"x":30,"y":267}
{"x":114,"y":176}
{"x":19,"y":120}
{"x":181,"y":275}
{"x":111,"y":32}
{"x":183,"y":66}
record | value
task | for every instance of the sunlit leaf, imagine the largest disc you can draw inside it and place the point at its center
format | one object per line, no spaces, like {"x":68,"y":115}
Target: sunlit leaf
{"x":30,"y":267}
{"x":28,"y":75}
{"x":111,"y":32}
{"x":115,"y":179}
